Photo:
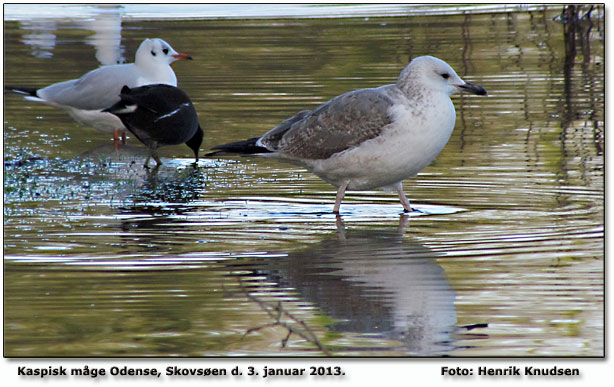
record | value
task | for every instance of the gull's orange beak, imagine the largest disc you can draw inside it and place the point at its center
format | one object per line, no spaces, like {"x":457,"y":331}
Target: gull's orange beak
{"x":182,"y":56}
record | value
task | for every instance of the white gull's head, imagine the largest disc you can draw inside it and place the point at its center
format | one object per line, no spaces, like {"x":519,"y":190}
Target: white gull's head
{"x":157,"y":52}
{"x":430,"y":73}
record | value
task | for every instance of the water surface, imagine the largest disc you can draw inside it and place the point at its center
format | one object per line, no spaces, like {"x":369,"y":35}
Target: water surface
{"x":105,"y":258}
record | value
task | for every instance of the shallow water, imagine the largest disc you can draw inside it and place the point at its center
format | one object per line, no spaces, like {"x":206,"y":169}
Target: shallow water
{"x":104,"y":258}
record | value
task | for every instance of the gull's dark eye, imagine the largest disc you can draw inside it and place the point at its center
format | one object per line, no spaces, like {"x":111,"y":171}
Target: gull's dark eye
{"x":153,"y":53}
{"x":445,"y":75}
{"x":165,"y":51}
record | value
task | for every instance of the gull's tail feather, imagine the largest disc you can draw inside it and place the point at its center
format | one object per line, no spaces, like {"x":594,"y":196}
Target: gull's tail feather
{"x":30,"y":91}
{"x":239,"y":148}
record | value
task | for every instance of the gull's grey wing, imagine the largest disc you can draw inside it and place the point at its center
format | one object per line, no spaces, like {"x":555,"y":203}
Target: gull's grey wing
{"x":345,"y":121}
{"x":270,"y":139}
{"x":96,"y":90}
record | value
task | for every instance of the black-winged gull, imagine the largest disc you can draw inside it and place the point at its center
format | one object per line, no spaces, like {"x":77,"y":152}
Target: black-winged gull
{"x":369,"y":138}
{"x":84,"y":98}
{"x":159,"y":115}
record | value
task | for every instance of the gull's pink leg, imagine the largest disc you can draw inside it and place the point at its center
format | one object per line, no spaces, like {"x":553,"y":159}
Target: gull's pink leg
{"x":403,"y":198}
{"x":340,"y":195}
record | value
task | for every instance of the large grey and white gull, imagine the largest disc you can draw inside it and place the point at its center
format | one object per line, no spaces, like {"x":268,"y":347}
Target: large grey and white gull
{"x":85,"y":98}
{"x":369,"y":138}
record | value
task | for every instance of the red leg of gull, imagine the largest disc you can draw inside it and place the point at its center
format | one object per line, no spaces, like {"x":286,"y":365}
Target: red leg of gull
{"x":116,"y":139}
{"x":340,"y":195}
{"x":123,"y":137}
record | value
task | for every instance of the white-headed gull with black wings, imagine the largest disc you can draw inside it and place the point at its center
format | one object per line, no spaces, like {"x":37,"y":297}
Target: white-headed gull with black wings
{"x":85,"y":98}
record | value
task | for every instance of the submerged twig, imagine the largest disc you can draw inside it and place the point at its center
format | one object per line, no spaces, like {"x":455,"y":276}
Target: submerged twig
{"x":277,"y":313}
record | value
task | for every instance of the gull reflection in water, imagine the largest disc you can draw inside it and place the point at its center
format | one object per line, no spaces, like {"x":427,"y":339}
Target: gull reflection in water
{"x":107,"y":26}
{"x":104,"y":20}
{"x":40,"y":36}
{"x":375,"y":283}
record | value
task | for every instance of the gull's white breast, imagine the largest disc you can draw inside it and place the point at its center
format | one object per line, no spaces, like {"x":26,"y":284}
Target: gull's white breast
{"x":417,"y":134}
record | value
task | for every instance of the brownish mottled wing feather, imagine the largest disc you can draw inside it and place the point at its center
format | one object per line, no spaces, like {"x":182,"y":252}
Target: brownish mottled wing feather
{"x":341,"y":123}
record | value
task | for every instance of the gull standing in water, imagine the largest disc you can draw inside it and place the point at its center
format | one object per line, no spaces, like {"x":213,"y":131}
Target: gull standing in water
{"x":85,"y":98}
{"x":159,"y":115}
{"x":369,"y":138}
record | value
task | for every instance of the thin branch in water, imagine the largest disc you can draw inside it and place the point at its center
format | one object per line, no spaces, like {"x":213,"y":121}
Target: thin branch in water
{"x":277,"y":313}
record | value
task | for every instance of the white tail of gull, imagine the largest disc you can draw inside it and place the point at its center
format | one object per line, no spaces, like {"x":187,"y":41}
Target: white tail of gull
{"x":369,"y":138}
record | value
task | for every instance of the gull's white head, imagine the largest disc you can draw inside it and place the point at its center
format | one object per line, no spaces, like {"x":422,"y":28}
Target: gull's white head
{"x":428,"y":72}
{"x":157,"y":52}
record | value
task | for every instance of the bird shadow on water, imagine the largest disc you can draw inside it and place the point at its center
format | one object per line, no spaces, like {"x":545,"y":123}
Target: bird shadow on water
{"x":376,"y":288}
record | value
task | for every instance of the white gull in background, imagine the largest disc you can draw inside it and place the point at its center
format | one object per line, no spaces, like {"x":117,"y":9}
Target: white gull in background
{"x":85,"y":98}
{"x":369,"y":138}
